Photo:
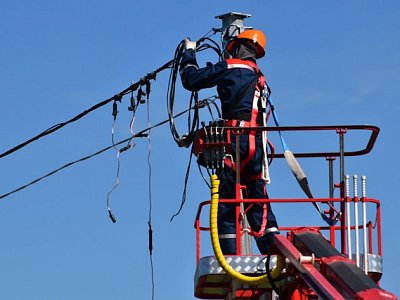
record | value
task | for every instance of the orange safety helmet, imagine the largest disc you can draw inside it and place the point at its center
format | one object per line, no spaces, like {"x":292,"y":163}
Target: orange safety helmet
{"x":255,"y":36}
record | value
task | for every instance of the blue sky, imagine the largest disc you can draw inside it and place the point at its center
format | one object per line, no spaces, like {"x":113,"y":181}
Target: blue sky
{"x":327,"y":63}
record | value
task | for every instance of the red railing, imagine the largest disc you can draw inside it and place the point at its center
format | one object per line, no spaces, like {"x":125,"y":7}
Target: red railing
{"x":373,"y":227}
{"x":344,"y":228}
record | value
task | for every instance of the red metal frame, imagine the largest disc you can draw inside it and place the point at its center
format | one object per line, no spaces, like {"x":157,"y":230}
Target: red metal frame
{"x":306,"y":271}
{"x":200,"y":145}
{"x":330,"y":229}
{"x":338,"y":129}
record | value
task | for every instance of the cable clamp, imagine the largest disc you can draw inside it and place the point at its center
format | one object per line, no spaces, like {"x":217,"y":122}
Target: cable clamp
{"x":115,"y":109}
{"x":151,"y":75}
{"x":118,"y":97}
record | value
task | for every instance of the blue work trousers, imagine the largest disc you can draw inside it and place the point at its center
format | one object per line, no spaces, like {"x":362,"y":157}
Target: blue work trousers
{"x":259,"y":215}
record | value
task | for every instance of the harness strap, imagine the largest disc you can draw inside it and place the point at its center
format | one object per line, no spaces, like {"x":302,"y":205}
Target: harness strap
{"x":259,"y":84}
{"x":253,"y":123}
{"x":263,"y":225}
{"x":238,"y":63}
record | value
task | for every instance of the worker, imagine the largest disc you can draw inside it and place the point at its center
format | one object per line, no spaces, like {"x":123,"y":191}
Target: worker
{"x":239,"y":82}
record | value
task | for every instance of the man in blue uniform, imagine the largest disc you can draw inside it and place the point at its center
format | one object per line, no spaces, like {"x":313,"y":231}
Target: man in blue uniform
{"x":241,"y":87}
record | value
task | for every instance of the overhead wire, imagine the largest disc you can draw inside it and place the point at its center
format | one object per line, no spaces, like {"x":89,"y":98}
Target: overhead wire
{"x":172,"y":64}
{"x":193,"y":124}
{"x":56,"y":127}
{"x":150,"y":195}
{"x":132,"y":87}
{"x":141,"y":133}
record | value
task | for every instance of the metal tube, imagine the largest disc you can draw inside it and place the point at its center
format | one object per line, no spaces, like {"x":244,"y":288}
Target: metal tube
{"x":341,"y":142}
{"x":342,"y":206}
{"x":331,"y":185}
{"x":331,"y":194}
{"x":370,"y":227}
{"x":348,"y":223}
{"x":356,"y":238}
{"x":364,"y":214}
{"x":378,"y":224}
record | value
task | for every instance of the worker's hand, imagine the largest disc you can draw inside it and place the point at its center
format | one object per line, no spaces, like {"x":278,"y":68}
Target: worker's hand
{"x":189,"y":44}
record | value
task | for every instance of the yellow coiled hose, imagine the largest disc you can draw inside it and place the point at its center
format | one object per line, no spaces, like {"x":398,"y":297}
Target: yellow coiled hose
{"x":275,"y":272}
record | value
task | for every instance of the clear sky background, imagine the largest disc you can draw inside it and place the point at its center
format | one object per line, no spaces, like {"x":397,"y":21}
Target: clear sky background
{"x":327,"y":62}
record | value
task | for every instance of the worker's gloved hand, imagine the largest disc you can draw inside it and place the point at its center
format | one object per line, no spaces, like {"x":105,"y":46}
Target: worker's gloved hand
{"x":189,"y":44}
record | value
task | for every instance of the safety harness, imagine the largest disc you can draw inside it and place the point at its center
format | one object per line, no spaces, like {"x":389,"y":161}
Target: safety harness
{"x":257,"y":117}
{"x":214,"y":142}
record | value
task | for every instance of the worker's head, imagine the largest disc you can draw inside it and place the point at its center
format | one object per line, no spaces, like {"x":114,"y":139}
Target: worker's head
{"x":252,"y":39}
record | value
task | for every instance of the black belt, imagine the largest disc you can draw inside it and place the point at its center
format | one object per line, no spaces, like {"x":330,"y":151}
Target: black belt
{"x":245,"y":116}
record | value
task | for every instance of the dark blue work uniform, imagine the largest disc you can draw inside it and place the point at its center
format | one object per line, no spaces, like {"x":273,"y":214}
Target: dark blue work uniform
{"x":231,"y":81}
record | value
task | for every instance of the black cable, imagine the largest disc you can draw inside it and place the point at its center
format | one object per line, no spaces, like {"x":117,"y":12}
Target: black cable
{"x":194,"y":102}
{"x":194,"y":95}
{"x":174,"y":65}
{"x":150,"y":195}
{"x":171,"y":89}
{"x":185,"y":186}
{"x":117,"y":97}
{"x":202,"y":175}
{"x":193,"y":122}
{"x":151,"y":262}
{"x":271,"y":280}
{"x":216,"y":108}
{"x":56,"y":127}
{"x":59,"y":169}
{"x":142,"y":133}
{"x":130,"y":145}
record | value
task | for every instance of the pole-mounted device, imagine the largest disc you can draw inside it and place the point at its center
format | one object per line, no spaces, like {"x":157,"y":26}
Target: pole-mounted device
{"x":232,"y":26}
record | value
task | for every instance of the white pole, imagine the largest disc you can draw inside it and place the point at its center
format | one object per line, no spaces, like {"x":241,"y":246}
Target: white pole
{"x":357,"y":238}
{"x":364,"y":212}
{"x":348,"y":216}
